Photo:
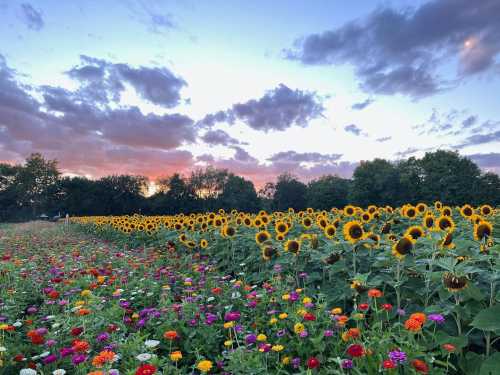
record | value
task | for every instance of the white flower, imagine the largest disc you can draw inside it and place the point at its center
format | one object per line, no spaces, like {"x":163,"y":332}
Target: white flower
{"x":3,"y":349}
{"x":235,"y":295}
{"x":210,"y":299}
{"x":59,"y":371}
{"x":143,"y":357}
{"x":17,"y":324}
{"x":151,"y":343}
{"x":27,"y":371}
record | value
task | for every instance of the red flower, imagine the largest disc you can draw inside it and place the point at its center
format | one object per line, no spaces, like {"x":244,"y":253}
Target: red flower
{"x":37,"y":339}
{"x":449,"y":348}
{"x":363,"y":306}
{"x":387,"y":306}
{"x":313,"y":362}
{"x":76,"y":331}
{"x":111,"y":328}
{"x":53,"y":294}
{"x":19,"y":358}
{"x":388,"y":364}
{"x":145,"y":370}
{"x":216,"y":290}
{"x":309,"y":316}
{"x":356,"y":350}
{"x":420,"y":366}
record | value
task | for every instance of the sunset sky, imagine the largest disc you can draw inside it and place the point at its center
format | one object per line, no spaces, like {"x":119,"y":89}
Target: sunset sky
{"x":258,"y":87}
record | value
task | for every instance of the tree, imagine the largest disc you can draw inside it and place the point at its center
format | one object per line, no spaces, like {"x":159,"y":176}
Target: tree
{"x":290,"y":192}
{"x":266,"y":195}
{"x":119,"y":195}
{"x":489,"y":189}
{"x":36,"y":182}
{"x":174,"y":195}
{"x":327,"y":192}
{"x":449,"y":177}
{"x":411,"y":176}
{"x":375,"y":182}
{"x":238,"y":193}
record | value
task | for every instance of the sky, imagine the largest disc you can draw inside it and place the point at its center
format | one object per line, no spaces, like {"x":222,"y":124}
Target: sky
{"x":257,"y":87}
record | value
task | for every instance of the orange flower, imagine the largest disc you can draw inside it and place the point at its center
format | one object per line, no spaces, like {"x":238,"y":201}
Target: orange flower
{"x":419,"y":316}
{"x":170,"y":335}
{"x":83,"y":312}
{"x":106,"y":356}
{"x":351,"y":333}
{"x":420,"y":366}
{"x":413,"y":325}
{"x":375,"y":293}
{"x":80,"y":346}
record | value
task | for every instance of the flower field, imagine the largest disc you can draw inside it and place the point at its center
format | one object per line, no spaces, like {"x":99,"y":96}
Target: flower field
{"x":407,"y":290}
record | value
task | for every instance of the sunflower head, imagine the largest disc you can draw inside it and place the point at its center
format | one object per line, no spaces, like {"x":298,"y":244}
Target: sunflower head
{"x":269,"y":252}
{"x":292,"y":246}
{"x":466,"y":211}
{"x":366,"y":217}
{"x":483,"y":230}
{"x":281,"y":227}
{"x":203,"y":243}
{"x":332,"y":258}
{"x":428,"y":221}
{"x":330,"y":231}
{"x":486,"y":210}
{"x":307,"y":222}
{"x":386,"y":228}
{"x":402,"y":247}
{"x":262,"y":236}
{"x":446,"y":211}
{"x":454,"y":283}
{"x":447,"y":241}
{"x":229,"y":231}
{"x":445,"y":223}
{"x":415,"y":232}
{"x":353,"y":231}
{"x":349,"y":210}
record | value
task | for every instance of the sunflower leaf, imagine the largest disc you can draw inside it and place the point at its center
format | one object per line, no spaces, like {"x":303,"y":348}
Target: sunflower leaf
{"x":488,"y":319}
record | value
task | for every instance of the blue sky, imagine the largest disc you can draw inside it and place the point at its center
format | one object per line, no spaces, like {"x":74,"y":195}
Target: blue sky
{"x":311,"y":87}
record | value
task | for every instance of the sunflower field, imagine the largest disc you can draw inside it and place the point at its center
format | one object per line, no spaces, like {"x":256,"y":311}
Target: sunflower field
{"x":407,"y":290}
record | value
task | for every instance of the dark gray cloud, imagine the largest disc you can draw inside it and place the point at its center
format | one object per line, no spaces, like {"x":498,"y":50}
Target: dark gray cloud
{"x":103,"y":81}
{"x":400,"y":50}
{"x":278,"y":109}
{"x":383,"y":139}
{"x":219,"y":137}
{"x":490,"y":161}
{"x":354,"y":129}
{"x":469,"y":121}
{"x":32,"y":17}
{"x":479,"y":139}
{"x":362,"y":105}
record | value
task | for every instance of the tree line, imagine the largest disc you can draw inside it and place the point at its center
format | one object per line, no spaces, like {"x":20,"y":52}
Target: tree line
{"x":38,"y":187}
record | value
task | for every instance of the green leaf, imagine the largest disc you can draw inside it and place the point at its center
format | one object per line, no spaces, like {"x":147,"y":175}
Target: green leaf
{"x":491,"y":365}
{"x":488,"y":319}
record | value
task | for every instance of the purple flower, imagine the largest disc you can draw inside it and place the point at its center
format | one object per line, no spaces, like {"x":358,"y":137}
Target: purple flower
{"x":281,"y":333}
{"x":397,"y":356}
{"x":296,"y":362}
{"x":328,"y":333}
{"x":104,"y":336}
{"x":304,"y":334}
{"x":66,"y":352}
{"x":49,"y":359}
{"x":277,"y":268}
{"x":401,"y":312}
{"x":294,"y":296}
{"x":78,"y":358}
{"x":42,"y":331}
{"x":250,"y":339}
{"x":32,"y":310}
{"x":347,"y":364}
{"x":436,"y":318}
{"x":124,"y":304}
{"x":232,"y":316}
{"x":50,"y":342}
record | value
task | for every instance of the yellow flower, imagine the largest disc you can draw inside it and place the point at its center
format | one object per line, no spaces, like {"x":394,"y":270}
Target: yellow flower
{"x":301,"y":312}
{"x":277,"y":348}
{"x":204,"y":366}
{"x":285,"y":360}
{"x":273,"y":321}
{"x":306,"y":300}
{"x":285,"y":297}
{"x":283,"y":316}
{"x":228,"y":342}
{"x":135,"y":316}
{"x":336,"y":311}
{"x":261,"y":337}
{"x":85,"y":293}
{"x":79,"y":303}
{"x":229,"y":325}
{"x":3,"y":327}
{"x":298,"y":328}
{"x":359,"y":316}
{"x":176,"y":356}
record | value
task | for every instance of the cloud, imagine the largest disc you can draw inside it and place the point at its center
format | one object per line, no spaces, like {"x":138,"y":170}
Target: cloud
{"x":469,"y":121}
{"x":300,"y":157}
{"x":157,"y":20}
{"x":353,"y":129}
{"x":401,"y":50}
{"x":362,"y":105}
{"x":103,"y":81}
{"x":219,"y":137}
{"x":279,"y":109}
{"x":32,"y":17}
{"x":383,"y":139}
{"x":490,"y":161}
{"x":479,"y":139}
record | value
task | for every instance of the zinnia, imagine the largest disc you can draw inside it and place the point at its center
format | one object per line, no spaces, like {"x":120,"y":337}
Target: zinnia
{"x":204,"y":366}
{"x":356,"y":350}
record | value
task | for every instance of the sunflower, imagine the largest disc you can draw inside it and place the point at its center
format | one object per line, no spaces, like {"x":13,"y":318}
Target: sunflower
{"x":421,"y":207}
{"x":322,"y":222}
{"x":486,"y":210}
{"x":292,"y":246}
{"x":280,"y":237}
{"x":446,"y":211}
{"x":402,"y":247}
{"x":262,"y":236}
{"x":415,"y":232}
{"x":410,"y":212}
{"x":428,"y":221}
{"x":445,"y":223}
{"x":269,"y":252}
{"x":353,"y":231}
{"x":438,"y":205}
{"x":483,"y":230}
{"x":366,"y":217}
{"x":453,"y":282}
{"x":247,"y":221}
{"x":349,"y":210}
{"x":281,"y":227}
{"x":466,"y":211}
{"x":307,"y":222}
{"x":203,"y":243}
{"x":374,"y":237}
{"x":329,"y":231}
{"x":386,"y":228}
{"x":228,"y":231}
{"x":446,"y":242}
{"x":183,"y":237}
